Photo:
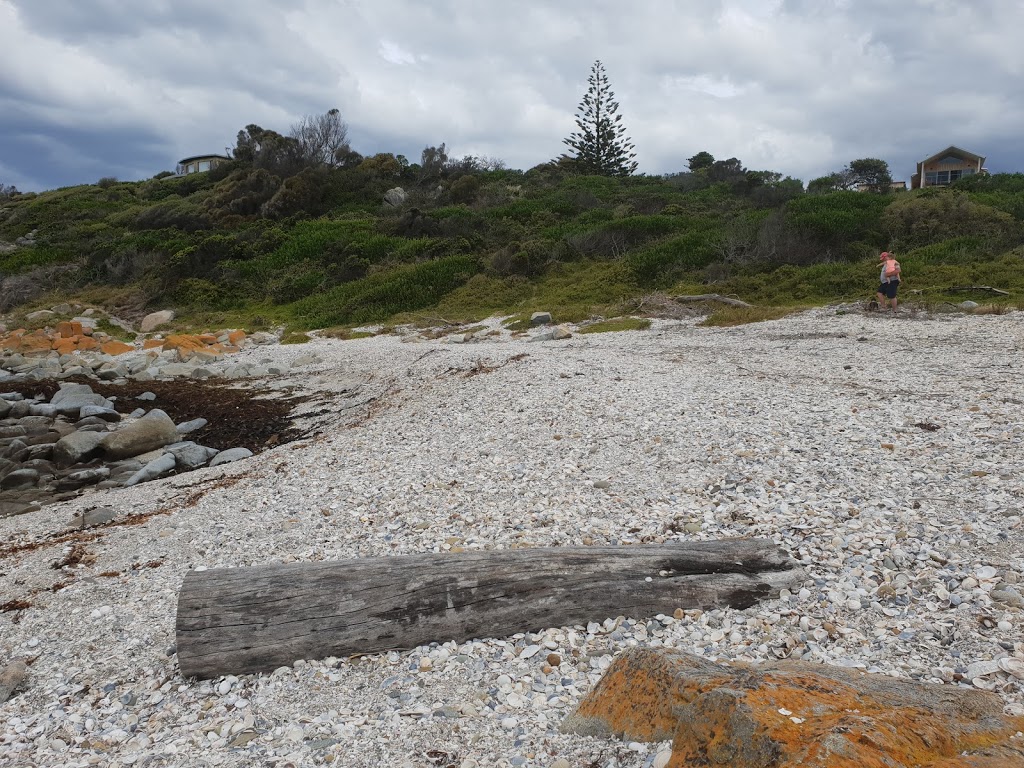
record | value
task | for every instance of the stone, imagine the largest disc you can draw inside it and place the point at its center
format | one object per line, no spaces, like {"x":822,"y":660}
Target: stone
{"x":82,"y":478}
{"x":12,"y":677}
{"x":99,"y":412}
{"x":540,"y":318}
{"x":12,"y":508}
{"x":543,"y":336}
{"x":153,"y":470}
{"x":152,"y":431}
{"x":19,"y":480}
{"x":40,"y":315}
{"x":189,"y":455}
{"x":561,"y":332}
{"x":232,"y":454}
{"x":93,"y":517}
{"x":395,"y":197}
{"x":304,"y":360}
{"x":146,"y":397}
{"x":154,"y":320}
{"x":968,"y":304}
{"x":77,"y":447}
{"x":191,"y":426}
{"x":792,"y":713}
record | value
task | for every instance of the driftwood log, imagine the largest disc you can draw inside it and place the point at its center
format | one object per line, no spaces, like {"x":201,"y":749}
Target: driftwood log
{"x":712,"y":297}
{"x":237,"y":620}
{"x":989,"y":288}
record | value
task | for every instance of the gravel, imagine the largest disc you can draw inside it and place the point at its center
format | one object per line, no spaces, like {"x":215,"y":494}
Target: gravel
{"x":882,"y":453}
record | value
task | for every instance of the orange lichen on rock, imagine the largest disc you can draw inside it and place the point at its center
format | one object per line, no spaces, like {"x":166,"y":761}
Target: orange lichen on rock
{"x":793,"y":714}
{"x":235,"y":338}
{"x":152,"y":343}
{"x":116,"y":348}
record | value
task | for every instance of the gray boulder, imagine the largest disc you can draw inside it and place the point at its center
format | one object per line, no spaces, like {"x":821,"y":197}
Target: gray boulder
{"x":154,"y":320}
{"x":395,"y":197}
{"x":152,"y":470}
{"x":540,"y":318}
{"x":93,"y":517}
{"x":191,"y":426}
{"x":152,"y":431}
{"x":232,"y":454}
{"x":99,"y":411}
{"x":83,"y":477}
{"x":189,"y":455}
{"x":19,"y":480}
{"x":5,"y":408}
{"x":77,"y":447}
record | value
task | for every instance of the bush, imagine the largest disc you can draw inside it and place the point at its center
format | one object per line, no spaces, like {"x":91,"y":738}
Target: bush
{"x":839,"y":218}
{"x":925,"y":218}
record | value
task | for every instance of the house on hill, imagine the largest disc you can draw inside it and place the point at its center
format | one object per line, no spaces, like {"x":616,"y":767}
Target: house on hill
{"x":947,"y":166}
{"x":200,"y":163}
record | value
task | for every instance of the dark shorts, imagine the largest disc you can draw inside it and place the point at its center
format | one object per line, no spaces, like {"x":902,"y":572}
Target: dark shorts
{"x":889,"y":289}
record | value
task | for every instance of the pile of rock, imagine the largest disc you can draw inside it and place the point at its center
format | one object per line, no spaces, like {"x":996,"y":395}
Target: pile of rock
{"x":50,"y":450}
{"x":46,"y":354}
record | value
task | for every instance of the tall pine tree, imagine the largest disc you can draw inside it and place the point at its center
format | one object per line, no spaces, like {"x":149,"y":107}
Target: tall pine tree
{"x":600,"y":144}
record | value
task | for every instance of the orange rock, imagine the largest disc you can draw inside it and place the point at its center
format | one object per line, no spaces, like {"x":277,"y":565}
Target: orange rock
{"x":794,"y":713}
{"x":65,"y":346}
{"x":87,"y":343}
{"x":208,"y":338}
{"x":152,"y":343}
{"x":35,"y":342}
{"x":67,"y":330}
{"x":228,"y":348}
{"x":183,"y":341}
{"x":116,"y":348}
{"x":235,"y":338}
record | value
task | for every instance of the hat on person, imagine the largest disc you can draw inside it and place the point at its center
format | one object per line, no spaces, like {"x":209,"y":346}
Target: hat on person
{"x":885,"y":255}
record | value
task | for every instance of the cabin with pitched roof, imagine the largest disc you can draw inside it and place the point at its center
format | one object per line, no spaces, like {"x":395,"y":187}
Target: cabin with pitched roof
{"x":947,"y":166}
{"x":200,"y":163}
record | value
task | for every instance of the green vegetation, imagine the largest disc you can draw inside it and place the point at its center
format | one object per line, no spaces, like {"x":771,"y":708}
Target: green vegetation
{"x":300,"y":236}
{"x":617,"y":324}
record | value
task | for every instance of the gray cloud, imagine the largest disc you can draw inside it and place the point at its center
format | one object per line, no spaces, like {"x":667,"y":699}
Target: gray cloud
{"x":796,"y":86}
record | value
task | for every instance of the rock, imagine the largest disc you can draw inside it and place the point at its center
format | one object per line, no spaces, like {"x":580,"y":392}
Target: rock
{"x":100,"y":412}
{"x":83,"y":477}
{"x":154,"y":320}
{"x":5,"y":408}
{"x":175,"y":369}
{"x":232,"y":454}
{"x":93,"y":517}
{"x":561,"y":332}
{"x":793,"y":713}
{"x":540,"y":318}
{"x":146,"y":396}
{"x":263,"y":337}
{"x":152,"y":470}
{"x":12,"y":677}
{"x":19,"y":480}
{"x":189,"y":455}
{"x":394,"y":197}
{"x":1009,"y":596}
{"x":202,"y":373}
{"x":40,"y":315}
{"x":191,"y":426}
{"x":152,"y":431}
{"x":543,"y":336}
{"x":968,"y":304}
{"x":77,"y":447}
{"x":12,"y":508}
{"x":303,"y":360}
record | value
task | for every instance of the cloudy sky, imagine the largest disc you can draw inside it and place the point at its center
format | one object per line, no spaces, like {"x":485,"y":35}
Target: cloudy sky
{"x":125,"y":88}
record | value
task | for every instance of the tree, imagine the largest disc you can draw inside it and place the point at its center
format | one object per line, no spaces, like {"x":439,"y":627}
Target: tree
{"x":262,"y":148}
{"x":873,"y":173}
{"x":323,"y":139}
{"x":700,"y":161}
{"x":7,"y":192}
{"x":601,"y":146}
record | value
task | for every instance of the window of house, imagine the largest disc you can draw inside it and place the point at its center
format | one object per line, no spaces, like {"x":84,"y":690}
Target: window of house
{"x":204,"y":165}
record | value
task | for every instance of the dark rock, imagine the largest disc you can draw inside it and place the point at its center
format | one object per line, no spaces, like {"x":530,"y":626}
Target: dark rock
{"x":19,"y":480}
{"x":77,"y":447}
{"x":93,"y":517}
{"x":100,"y":412}
{"x":83,"y":477}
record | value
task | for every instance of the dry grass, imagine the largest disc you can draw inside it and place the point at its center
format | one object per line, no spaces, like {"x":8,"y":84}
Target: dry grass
{"x":991,"y":309}
{"x":617,"y":324}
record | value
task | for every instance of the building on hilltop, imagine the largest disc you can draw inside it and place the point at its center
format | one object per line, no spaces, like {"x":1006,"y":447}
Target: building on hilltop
{"x":200,"y":163}
{"x":947,"y":166}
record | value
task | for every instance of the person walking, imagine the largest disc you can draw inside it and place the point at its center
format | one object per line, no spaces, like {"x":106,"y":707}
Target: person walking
{"x":889,"y":280}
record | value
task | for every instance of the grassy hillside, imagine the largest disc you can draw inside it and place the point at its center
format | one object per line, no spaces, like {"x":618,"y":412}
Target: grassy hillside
{"x":320,"y":248}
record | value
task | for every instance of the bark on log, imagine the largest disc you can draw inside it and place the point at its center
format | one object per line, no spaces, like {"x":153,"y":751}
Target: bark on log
{"x":712,"y":297}
{"x":237,"y":620}
{"x":988,"y":288}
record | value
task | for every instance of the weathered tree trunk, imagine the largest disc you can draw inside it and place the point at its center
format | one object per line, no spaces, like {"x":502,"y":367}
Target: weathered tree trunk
{"x":712,"y":297}
{"x":988,"y":288}
{"x":238,"y":620}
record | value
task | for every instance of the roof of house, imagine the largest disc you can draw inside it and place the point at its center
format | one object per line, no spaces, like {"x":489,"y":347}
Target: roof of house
{"x":202,"y":157}
{"x":953,"y":150}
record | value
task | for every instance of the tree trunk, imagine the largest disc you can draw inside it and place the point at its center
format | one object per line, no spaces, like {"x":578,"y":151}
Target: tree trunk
{"x":238,"y":620}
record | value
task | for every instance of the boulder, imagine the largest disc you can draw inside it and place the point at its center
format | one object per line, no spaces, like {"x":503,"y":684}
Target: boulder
{"x":154,"y":430}
{"x":19,"y":480}
{"x":152,"y":470}
{"x":76,"y":480}
{"x":93,"y":517}
{"x":968,"y":304}
{"x":540,"y":318}
{"x":191,"y":426}
{"x":40,"y":316}
{"x":395,"y":197}
{"x":77,"y":447}
{"x":232,"y":454}
{"x":154,"y":320}
{"x":189,"y":455}
{"x":561,"y":332}
{"x":794,"y":713}
{"x":99,"y":411}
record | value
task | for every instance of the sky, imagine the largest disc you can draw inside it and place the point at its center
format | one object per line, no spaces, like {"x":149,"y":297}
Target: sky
{"x":126,"y":88}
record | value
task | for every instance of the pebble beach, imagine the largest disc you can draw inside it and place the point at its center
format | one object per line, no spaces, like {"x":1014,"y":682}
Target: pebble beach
{"x":884,"y":454}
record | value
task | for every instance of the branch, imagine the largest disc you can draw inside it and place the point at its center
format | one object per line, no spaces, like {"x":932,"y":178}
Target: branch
{"x":988,"y":288}
{"x":712,"y":297}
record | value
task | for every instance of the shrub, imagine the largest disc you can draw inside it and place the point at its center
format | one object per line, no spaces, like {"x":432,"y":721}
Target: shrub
{"x":839,"y":218}
{"x":923,"y":219}
{"x":106,"y":182}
